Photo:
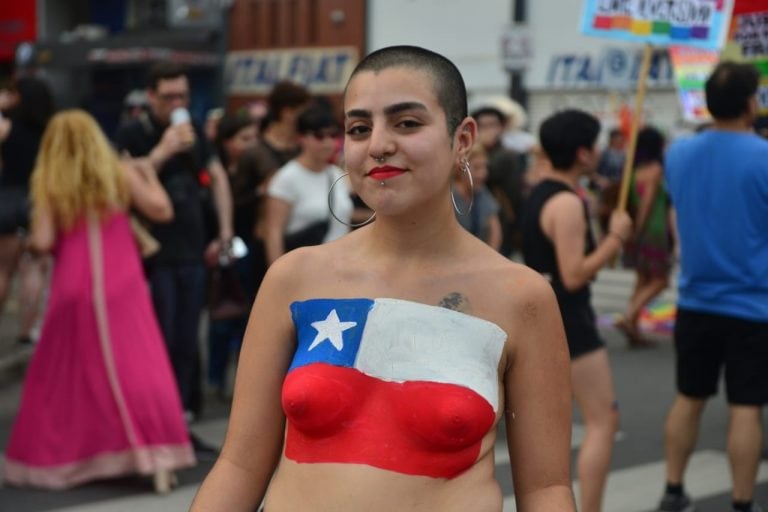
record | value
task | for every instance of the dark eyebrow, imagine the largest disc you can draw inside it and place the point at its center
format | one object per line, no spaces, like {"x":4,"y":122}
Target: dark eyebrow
{"x":401,"y":107}
{"x":366,"y":114}
{"x":390,"y":110}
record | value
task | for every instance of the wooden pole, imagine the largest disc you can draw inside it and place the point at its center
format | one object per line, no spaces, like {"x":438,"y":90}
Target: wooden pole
{"x":642,"y":79}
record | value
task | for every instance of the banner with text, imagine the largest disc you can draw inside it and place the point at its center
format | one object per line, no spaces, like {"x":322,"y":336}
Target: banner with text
{"x":323,"y":70}
{"x":699,"y":23}
{"x":692,"y":67}
{"x":748,"y":41}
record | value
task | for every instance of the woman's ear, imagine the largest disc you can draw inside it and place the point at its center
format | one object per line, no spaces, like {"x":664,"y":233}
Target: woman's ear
{"x":466,"y":133}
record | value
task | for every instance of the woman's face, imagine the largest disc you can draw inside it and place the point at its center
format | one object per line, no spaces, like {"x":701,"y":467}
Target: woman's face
{"x":320,"y":144}
{"x":394,"y":114}
{"x":244,"y":139}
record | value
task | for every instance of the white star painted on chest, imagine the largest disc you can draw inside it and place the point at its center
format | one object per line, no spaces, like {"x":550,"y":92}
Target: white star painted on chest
{"x":331,"y":329}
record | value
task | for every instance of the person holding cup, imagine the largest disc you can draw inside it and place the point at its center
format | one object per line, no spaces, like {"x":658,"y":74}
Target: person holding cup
{"x":177,"y":148}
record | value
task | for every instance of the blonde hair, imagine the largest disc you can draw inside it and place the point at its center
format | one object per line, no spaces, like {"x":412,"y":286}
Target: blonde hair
{"x":77,"y":171}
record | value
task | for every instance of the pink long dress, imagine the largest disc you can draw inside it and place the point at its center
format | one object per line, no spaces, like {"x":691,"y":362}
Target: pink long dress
{"x":99,"y":398}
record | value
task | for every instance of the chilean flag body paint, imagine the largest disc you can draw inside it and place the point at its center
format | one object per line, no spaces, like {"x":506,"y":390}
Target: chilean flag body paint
{"x":389,"y":383}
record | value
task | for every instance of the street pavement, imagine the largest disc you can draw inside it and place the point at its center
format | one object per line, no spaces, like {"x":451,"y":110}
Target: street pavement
{"x":644,"y":384}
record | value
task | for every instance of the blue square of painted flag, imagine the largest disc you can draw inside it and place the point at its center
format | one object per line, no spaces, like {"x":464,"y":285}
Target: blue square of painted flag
{"x":329,"y":330}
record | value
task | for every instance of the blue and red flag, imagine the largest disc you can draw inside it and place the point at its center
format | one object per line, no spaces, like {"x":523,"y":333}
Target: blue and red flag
{"x":390,"y":383}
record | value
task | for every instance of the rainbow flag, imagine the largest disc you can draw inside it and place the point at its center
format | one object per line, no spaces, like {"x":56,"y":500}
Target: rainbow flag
{"x":658,"y":317}
{"x":692,"y":67}
{"x":699,"y":23}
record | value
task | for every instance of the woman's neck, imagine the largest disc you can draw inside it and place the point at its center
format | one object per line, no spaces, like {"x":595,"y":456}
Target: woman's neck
{"x":311,"y":163}
{"x":421,"y":234}
{"x":280,"y":137}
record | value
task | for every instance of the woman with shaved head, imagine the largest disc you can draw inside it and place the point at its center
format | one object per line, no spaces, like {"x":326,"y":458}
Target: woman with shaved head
{"x":376,"y":368}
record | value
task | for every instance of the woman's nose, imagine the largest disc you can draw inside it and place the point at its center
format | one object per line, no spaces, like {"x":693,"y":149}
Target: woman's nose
{"x":381,"y":142}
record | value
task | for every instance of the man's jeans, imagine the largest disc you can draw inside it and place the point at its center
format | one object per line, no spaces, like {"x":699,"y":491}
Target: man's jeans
{"x":178,"y":294}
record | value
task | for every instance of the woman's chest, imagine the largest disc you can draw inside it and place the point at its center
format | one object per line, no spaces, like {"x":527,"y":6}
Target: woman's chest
{"x":423,"y":378}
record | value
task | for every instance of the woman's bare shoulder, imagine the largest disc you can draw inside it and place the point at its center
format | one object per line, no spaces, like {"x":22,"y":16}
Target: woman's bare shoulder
{"x":512,"y":291}
{"x":305,"y":266}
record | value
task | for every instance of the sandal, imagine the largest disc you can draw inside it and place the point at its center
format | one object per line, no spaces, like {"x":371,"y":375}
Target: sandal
{"x":634,"y":338}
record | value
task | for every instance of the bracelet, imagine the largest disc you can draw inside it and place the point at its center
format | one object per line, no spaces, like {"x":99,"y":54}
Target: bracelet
{"x":621,"y":238}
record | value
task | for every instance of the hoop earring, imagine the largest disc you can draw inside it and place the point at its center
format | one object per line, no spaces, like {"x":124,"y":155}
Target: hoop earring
{"x":465,"y":169}
{"x":330,"y":206}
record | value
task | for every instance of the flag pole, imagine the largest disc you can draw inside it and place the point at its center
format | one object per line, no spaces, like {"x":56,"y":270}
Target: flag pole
{"x":642,"y":79}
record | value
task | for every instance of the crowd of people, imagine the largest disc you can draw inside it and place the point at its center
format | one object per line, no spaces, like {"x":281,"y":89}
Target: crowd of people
{"x":419,"y":283}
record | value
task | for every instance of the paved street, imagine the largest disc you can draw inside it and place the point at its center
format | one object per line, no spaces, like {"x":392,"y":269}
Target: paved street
{"x":644,"y":382}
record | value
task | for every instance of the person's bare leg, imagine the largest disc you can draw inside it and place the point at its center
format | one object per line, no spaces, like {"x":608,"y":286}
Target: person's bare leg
{"x":633,"y":305}
{"x":745,"y":442}
{"x":10,"y":250}
{"x":593,"y":390}
{"x":652,"y":286}
{"x":681,"y":431}
{"x":32,"y":274}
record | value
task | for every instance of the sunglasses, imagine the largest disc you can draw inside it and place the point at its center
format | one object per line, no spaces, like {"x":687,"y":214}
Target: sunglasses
{"x":327,"y":133}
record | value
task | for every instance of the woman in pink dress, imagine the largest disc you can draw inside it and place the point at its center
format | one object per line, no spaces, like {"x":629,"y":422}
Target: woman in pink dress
{"x":99,"y":398}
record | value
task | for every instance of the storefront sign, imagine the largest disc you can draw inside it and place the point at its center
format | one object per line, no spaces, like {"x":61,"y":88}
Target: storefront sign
{"x":614,"y":68}
{"x":321,"y":70}
{"x":700,"y":23}
{"x":140,"y":54}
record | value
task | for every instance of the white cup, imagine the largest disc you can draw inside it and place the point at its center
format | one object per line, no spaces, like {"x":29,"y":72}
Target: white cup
{"x":180,"y":115}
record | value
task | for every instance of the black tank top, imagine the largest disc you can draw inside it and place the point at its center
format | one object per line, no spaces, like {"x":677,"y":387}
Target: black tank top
{"x":538,"y":249}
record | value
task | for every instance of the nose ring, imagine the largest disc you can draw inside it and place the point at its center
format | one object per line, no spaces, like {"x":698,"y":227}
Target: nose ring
{"x":380,"y":159}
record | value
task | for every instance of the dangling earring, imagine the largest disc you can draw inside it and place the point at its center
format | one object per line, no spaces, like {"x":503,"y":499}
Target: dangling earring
{"x":468,"y":174}
{"x":330,"y":206}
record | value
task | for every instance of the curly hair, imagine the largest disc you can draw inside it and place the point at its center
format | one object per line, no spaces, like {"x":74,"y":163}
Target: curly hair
{"x":77,"y":171}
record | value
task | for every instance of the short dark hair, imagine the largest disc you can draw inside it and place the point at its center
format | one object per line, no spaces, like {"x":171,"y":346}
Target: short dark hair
{"x":615,"y":132}
{"x":228,"y":127}
{"x":285,"y":94}
{"x":164,"y":70}
{"x":729,"y":88}
{"x":448,"y":84}
{"x":562,"y":134}
{"x":489,"y":111}
{"x":650,"y":146}
{"x":315,"y":117}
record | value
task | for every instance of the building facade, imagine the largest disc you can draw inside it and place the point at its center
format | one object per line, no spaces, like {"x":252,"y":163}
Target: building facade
{"x":94,"y":53}
{"x":313,"y":42}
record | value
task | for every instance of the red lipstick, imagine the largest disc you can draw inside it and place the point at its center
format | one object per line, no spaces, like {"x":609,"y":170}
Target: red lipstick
{"x":385,"y":172}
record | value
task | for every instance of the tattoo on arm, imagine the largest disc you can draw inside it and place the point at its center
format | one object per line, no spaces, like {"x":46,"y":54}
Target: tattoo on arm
{"x":456,"y":301}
